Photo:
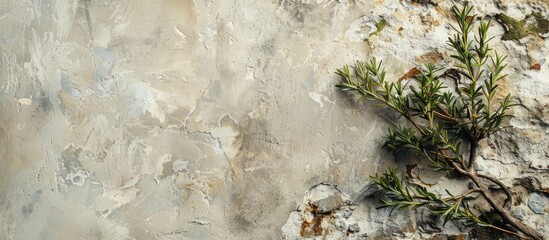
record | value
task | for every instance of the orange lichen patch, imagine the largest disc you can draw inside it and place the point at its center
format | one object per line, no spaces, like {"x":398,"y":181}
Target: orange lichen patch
{"x":536,"y":67}
{"x":430,"y":57}
{"x":460,"y":237}
{"x":313,"y":227}
{"x":444,"y":12}
{"x":410,"y":74}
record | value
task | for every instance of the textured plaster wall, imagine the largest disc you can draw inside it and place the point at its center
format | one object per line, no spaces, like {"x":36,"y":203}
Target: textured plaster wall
{"x":179,"y":119}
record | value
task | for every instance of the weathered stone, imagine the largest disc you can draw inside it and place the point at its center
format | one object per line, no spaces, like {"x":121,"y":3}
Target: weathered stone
{"x":326,"y":198}
{"x":479,"y":167}
{"x":518,"y":213}
{"x":354,"y":227}
{"x":536,"y":203}
{"x":340,"y":224}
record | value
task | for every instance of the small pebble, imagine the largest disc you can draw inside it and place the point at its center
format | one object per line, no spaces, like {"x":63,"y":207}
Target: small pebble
{"x":518,"y":213}
{"x":340,"y":224}
{"x":347,"y":213}
{"x":471,"y":185}
{"x":363,"y":236}
{"x":536,"y":203}
{"x":354,"y":228}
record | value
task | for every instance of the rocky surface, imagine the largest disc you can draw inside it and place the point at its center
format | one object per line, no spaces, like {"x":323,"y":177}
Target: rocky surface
{"x":211,"y":119}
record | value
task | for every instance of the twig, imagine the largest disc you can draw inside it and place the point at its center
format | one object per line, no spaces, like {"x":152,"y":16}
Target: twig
{"x":509,"y":201}
{"x":463,"y":194}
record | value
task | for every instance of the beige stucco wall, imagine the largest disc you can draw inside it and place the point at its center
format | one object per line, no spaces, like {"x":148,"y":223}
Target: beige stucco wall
{"x":179,"y":119}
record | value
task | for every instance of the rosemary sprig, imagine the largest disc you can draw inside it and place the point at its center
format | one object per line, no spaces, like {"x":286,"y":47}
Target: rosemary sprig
{"x":442,"y":122}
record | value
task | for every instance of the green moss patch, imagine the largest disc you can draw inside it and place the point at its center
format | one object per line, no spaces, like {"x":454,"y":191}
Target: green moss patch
{"x":380,"y":25}
{"x":533,"y":24}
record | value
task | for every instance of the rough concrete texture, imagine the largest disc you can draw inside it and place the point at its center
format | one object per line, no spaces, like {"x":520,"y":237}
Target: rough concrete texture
{"x":181,"y":119}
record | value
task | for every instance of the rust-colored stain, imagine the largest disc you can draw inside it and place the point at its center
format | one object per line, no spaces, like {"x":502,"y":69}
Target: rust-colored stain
{"x":311,"y":229}
{"x":469,"y":19}
{"x":430,"y":57}
{"x":314,"y":228}
{"x":399,"y":30}
{"x":536,"y":67}
{"x":410,"y":74}
{"x":460,"y":237}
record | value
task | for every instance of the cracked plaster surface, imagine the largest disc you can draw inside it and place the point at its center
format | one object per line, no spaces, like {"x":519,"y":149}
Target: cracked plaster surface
{"x":210,"y":119}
